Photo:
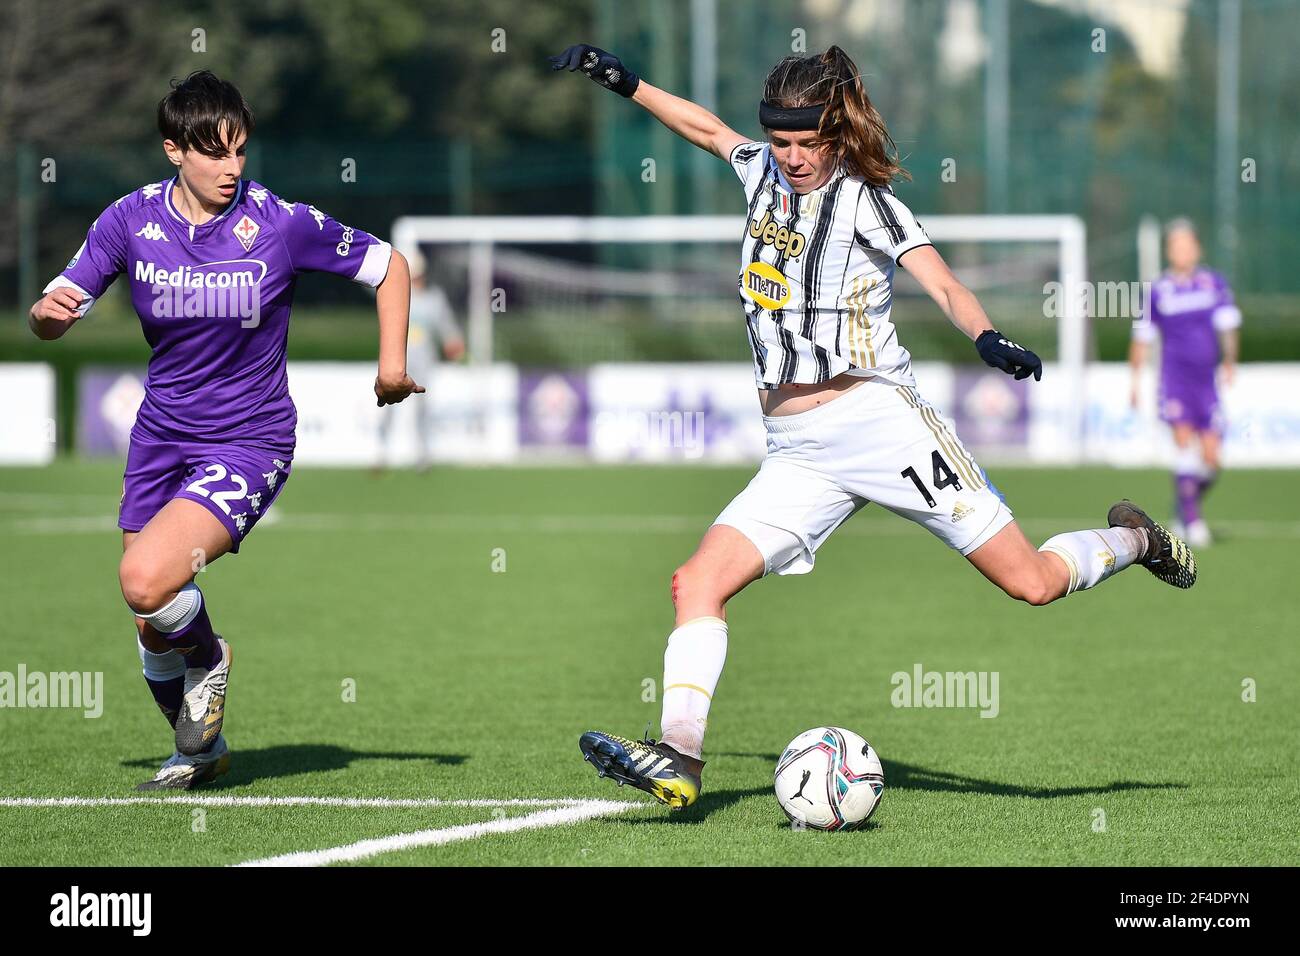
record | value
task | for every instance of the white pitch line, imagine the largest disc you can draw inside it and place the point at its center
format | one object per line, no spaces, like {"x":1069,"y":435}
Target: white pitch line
{"x":547,"y":523}
{"x":364,"y":849}
{"x":65,"y":524}
{"x":48,"y":499}
{"x":869,"y":525}
{"x":346,"y":802}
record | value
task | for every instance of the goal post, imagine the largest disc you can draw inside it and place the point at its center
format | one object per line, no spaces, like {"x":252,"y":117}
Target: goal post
{"x":530,"y":252}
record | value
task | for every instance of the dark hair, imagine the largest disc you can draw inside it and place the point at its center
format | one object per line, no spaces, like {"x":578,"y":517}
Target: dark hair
{"x":850,"y":124}
{"x":199,"y":109}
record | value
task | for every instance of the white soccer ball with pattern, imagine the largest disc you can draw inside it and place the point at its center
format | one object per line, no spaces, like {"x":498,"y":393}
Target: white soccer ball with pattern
{"x":829,"y":778}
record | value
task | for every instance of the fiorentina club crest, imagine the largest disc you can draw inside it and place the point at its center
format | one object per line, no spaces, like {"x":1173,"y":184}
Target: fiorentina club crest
{"x":246,"y":231}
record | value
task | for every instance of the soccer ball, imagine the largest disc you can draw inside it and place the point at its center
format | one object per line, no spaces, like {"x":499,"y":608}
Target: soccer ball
{"x":829,"y":779}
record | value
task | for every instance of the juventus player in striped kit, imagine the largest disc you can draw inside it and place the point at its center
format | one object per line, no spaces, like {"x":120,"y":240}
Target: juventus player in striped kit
{"x":211,"y":260}
{"x":845,"y":423}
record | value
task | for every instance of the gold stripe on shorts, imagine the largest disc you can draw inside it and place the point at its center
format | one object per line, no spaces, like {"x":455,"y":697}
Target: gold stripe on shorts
{"x":965,"y":464}
{"x":962,"y":459}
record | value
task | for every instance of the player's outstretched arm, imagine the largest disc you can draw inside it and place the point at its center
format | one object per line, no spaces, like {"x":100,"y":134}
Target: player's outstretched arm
{"x":688,"y":120}
{"x":964,"y":311}
{"x":53,"y":314}
{"x":1137,"y":359}
{"x":393,"y":303}
{"x":1229,"y":348}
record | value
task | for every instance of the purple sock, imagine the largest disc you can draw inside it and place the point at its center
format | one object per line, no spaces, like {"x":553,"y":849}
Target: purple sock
{"x":1205,"y":482}
{"x":195,"y":641}
{"x":1188,"y":489}
{"x":168,"y":695}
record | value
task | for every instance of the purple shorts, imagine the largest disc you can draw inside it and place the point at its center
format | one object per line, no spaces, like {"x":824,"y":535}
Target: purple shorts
{"x":237,"y":483}
{"x":1194,"y":404}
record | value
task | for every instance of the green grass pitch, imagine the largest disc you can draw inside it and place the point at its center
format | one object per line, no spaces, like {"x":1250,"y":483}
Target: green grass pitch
{"x":1122,"y":737}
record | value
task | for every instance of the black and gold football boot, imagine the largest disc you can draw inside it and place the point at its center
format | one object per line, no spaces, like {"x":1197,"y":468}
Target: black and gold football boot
{"x":670,"y":777}
{"x":1167,"y":555}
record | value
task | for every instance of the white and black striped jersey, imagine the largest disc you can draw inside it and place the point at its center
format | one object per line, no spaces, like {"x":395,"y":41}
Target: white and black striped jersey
{"x":817,"y":274}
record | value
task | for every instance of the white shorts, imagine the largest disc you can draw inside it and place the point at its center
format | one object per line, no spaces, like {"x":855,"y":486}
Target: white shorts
{"x":877,"y":442}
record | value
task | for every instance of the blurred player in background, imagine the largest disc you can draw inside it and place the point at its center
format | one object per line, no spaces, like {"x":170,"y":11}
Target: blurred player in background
{"x":845,"y":422}
{"x":433,"y":332}
{"x":212,"y":260}
{"x":1190,"y":309}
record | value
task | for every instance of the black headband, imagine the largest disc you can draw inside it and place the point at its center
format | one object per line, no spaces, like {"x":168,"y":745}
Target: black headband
{"x":777,"y":117}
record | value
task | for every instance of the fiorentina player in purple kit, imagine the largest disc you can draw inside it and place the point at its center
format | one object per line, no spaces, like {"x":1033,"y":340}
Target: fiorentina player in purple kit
{"x":212,"y":260}
{"x":1192,"y":312}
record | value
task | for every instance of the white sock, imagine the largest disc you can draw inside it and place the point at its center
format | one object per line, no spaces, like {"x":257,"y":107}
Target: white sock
{"x":161,"y":667}
{"x":1093,"y":556}
{"x":1188,"y":461}
{"x":178,"y":612}
{"x":692,"y":665}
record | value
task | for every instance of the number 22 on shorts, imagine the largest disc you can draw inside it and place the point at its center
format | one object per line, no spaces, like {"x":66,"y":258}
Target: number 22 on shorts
{"x":218,"y":472}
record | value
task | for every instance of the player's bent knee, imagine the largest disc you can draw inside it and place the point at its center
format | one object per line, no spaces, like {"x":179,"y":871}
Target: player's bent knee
{"x":1035,"y":590}
{"x":1038,"y":595}
{"x":143,"y":587}
{"x":686,"y":584}
{"x":692,"y":583}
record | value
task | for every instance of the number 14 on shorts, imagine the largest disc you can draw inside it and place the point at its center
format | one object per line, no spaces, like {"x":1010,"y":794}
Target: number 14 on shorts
{"x":943,"y":477}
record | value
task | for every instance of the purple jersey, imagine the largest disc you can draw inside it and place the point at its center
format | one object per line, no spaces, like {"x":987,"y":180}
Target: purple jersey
{"x":1188,"y":314}
{"x":214,"y":303}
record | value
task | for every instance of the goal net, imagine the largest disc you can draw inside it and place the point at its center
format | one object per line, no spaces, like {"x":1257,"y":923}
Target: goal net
{"x":576,"y":291}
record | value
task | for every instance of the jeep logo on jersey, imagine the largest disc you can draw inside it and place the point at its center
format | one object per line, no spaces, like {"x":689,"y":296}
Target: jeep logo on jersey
{"x":778,"y":237}
{"x":246,"y":231}
{"x":765,"y":285}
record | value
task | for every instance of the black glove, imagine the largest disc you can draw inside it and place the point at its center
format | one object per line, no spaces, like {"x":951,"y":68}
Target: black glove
{"x":1000,"y":352}
{"x":605,"y":68}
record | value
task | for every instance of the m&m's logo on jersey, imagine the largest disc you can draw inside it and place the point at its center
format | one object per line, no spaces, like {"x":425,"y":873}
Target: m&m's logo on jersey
{"x":780,"y":238}
{"x":765,"y":285}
